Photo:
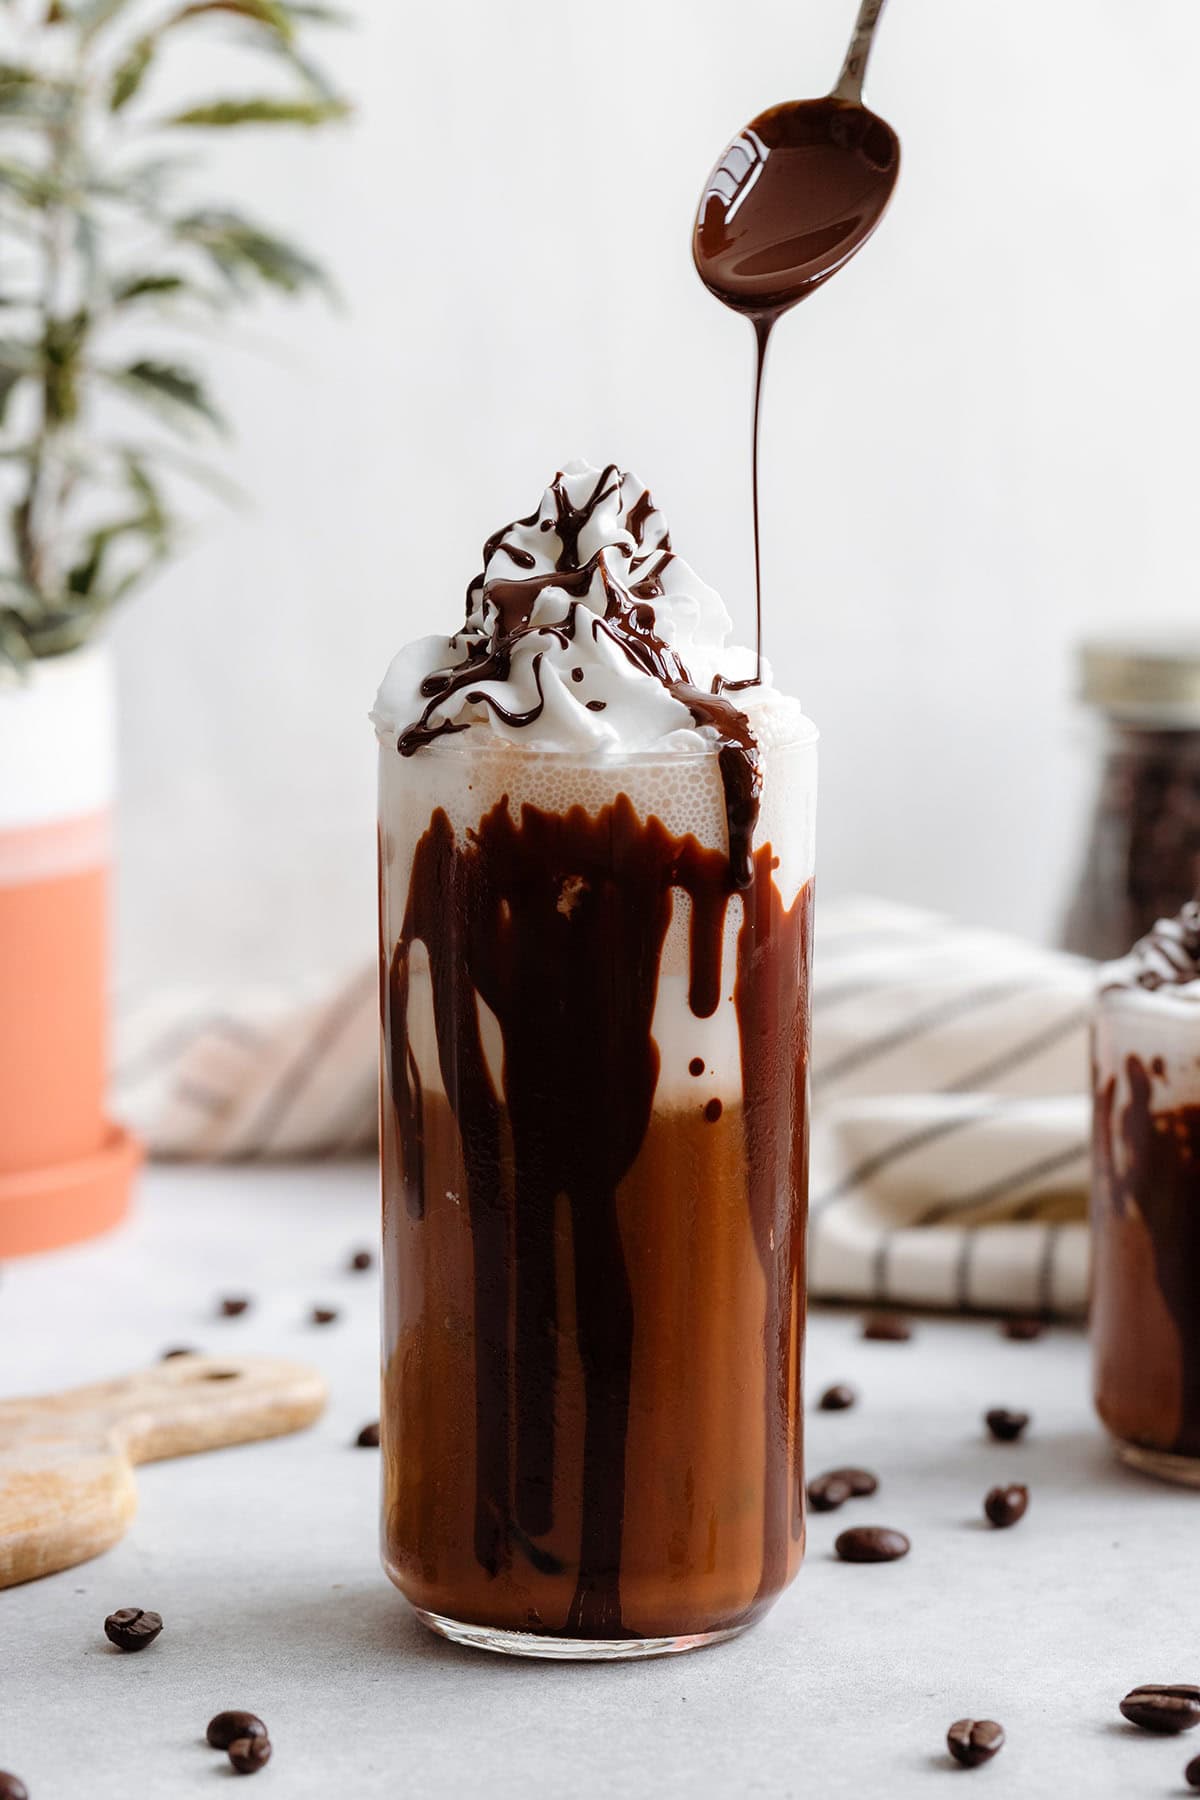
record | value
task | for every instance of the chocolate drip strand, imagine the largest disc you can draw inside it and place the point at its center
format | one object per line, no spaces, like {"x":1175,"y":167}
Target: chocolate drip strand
{"x":546,"y":908}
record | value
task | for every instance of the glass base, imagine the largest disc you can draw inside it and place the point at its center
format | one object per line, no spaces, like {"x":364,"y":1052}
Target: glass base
{"x":562,"y":1649}
{"x":1165,"y":1465}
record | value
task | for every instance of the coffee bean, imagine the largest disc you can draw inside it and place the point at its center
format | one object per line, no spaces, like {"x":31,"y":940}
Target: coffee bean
{"x":323,"y":1315}
{"x":837,"y":1398}
{"x":362,"y":1259}
{"x":832,"y":1489}
{"x":1191,"y":1774}
{"x":250,"y":1754}
{"x":12,"y":1787}
{"x":827,"y":1492}
{"x":1170,"y":1708}
{"x":974,"y":1741}
{"x":1005,"y":1505}
{"x":886,"y":1328}
{"x":234,"y":1305}
{"x":1023,"y":1330}
{"x":368,"y":1437}
{"x":224,"y":1728}
{"x":861,"y":1481}
{"x":178,"y":1350}
{"x":132,"y":1628}
{"x":871,"y":1544}
{"x":1006,"y":1427}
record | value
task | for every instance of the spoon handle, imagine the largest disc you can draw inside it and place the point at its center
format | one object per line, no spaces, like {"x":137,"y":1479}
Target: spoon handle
{"x":854,"y":69}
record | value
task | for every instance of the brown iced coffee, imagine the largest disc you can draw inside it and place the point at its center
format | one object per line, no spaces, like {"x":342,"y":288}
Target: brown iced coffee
{"x":1145,"y":1317}
{"x":595,"y":941}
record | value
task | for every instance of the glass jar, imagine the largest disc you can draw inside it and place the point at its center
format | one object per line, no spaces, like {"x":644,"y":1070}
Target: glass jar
{"x":594,"y":1110}
{"x":1142,"y":856}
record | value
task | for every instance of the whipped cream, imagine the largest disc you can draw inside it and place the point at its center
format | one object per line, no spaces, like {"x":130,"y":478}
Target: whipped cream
{"x":1167,"y":957}
{"x":586,"y":633}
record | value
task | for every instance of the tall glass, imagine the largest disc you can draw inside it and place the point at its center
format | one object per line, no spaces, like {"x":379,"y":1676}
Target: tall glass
{"x":595,"y":1148}
{"x":1145,"y":1311}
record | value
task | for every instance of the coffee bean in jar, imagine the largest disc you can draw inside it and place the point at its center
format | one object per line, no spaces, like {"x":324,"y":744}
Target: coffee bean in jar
{"x":1141,"y":858}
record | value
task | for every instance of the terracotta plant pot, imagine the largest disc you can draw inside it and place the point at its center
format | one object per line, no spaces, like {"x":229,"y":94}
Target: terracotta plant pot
{"x":65,"y":1170}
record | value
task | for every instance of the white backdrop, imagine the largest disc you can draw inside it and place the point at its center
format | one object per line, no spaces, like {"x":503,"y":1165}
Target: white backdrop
{"x":979,"y":438}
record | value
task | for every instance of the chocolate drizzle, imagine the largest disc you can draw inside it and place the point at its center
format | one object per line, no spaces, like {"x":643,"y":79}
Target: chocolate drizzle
{"x":1154,"y":1177}
{"x":1168,"y":955}
{"x":506,"y":606}
{"x":530,"y":918}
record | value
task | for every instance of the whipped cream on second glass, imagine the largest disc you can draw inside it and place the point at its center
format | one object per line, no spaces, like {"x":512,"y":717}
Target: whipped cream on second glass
{"x":586,"y":633}
{"x":1167,"y":957}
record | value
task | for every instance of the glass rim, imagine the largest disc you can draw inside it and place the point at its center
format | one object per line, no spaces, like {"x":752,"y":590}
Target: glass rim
{"x":480,"y":747}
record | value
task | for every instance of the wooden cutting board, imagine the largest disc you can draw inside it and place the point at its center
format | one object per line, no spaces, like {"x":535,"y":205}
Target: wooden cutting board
{"x":67,"y":1489}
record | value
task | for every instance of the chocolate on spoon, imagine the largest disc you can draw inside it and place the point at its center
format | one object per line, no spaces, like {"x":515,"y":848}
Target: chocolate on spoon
{"x":790,"y":201}
{"x":797,"y":192}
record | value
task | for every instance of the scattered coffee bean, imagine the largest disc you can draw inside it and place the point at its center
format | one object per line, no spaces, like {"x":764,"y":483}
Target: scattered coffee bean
{"x":886,"y":1328}
{"x":871,"y":1544}
{"x":974,"y":1741}
{"x":368,"y":1437}
{"x":1023,"y":1330}
{"x":250,"y":1754}
{"x":1006,"y":1427}
{"x":178,"y":1350}
{"x":1191,"y":1774}
{"x":323,"y":1315}
{"x":837,"y":1398}
{"x":234,"y":1305}
{"x":827,"y":1492}
{"x":224,"y":1728}
{"x":362,"y":1259}
{"x":832,"y":1489}
{"x":1005,"y":1505}
{"x":861,"y":1481}
{"x":132,"y":1628}
{"x":1170,"y":1708}
{"x":12,"y":1787}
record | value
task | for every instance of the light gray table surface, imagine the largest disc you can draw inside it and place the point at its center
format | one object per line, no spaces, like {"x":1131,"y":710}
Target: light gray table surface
{"x":262,"y":1561}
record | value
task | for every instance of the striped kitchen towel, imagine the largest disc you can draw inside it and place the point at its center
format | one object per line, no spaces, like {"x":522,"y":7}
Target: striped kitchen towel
{"x":950,"y":1115}
{"x":949,"y":1103}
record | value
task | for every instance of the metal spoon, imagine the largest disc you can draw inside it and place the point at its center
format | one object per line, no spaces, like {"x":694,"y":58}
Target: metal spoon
{"x":797,"y":192}
{"x":790,"y":201}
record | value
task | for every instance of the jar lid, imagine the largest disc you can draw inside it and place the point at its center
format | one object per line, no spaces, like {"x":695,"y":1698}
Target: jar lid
{"x":1153,"y":676}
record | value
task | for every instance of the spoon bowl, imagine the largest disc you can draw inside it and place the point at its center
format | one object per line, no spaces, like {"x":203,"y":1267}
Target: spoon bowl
{"x":791,"y":200}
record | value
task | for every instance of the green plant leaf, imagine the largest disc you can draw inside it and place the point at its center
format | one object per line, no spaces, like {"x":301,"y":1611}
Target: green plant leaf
{"x":61,"y":359}
{"x":244,"y":253}
{"x":316,"y":15}
{"x":18,"y":362}
{"x":172,"y":391}
{"x":263,"y":110}
{"x":32,"y":186}
{"x":16,"y":652}
{"x":154,"y":516}
{"x":31,"y":95}
{"x":131,"y":72}
{"x":148,"y":287}
{"x":258,"y":12}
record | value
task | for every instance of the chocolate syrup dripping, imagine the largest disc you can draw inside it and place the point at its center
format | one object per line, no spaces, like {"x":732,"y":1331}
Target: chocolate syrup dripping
{"x":771,"y":1000}
{"x":439,"y":891}
{"x":791,"y":200}
{"x":513,"y":601}
{"x":763,"y":323}
{"x":570,"y":520}
{"x":631,"y":627}
{"x":1161,"y":1181}
{"x":578,"y":1104}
